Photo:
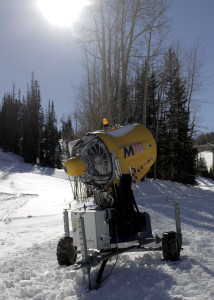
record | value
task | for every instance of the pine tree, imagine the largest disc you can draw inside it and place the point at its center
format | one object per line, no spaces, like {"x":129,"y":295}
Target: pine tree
{"x":211,"y":173}
{"x":202,"y":167}
{"x":6,"y":125}
{"x":67,"y":134}
{"x":32,"y":119}
{"x":176,"y":154}
{"x":51,"y":137}
{"x":10,"y":123}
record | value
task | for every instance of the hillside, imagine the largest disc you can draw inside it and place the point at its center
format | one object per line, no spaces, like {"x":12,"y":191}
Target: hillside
{"x":31,"y":204}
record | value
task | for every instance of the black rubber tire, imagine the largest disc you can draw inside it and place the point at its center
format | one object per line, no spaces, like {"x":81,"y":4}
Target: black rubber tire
{"x":66,"y":252}
{"x":171,"y":250}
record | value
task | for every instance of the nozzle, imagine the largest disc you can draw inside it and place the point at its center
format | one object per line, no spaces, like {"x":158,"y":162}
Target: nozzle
{"x":74,"y":166}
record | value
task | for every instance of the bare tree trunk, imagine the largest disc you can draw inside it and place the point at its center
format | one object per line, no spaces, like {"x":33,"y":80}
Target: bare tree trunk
{"x":146,"y":78}
{"x":194,"y":65}
{"x":103,"y":58}
{"x":157,"y":128}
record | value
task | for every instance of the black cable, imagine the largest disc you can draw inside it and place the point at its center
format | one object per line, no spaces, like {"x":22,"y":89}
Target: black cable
{"x":116,"y":258}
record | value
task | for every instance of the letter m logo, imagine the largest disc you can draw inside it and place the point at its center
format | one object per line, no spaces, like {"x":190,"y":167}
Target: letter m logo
{"x":128,"y":150}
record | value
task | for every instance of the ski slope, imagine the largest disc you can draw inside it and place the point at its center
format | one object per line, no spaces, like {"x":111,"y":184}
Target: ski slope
{"x":31,"y":222}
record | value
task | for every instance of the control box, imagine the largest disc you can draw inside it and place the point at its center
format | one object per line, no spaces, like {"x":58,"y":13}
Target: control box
{"x":96,"y":228}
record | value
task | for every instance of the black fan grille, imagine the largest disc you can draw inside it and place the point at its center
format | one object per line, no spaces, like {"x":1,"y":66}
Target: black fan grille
{"x":97,"y":160}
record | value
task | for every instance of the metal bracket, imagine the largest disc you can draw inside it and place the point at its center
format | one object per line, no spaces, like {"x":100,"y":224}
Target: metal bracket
{"x":178,"y":224}
{"x":66,"y":223}
{"x":84,"y":251}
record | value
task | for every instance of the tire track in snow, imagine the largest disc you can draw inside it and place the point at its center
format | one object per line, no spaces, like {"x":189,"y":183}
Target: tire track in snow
{"x":10,"y":203}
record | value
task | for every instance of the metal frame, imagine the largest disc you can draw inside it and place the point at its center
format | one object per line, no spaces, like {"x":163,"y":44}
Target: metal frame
{"x":88,"y":261}
{"x":103,"y":257}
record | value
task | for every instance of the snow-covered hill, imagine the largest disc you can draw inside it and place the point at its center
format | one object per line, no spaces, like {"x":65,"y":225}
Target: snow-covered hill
{"x":208,"y":157}
{"x":31,"y":205}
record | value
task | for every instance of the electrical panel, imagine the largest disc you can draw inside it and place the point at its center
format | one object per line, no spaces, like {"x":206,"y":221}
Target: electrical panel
{"x":96,"y":228}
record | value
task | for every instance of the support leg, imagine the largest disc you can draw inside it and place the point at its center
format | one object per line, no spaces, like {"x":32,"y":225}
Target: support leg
{"x":178,"y":225}
{"x":99,"y":276}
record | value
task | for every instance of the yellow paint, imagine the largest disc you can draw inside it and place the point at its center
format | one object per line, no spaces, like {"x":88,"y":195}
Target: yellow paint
{"x":75,"y":166}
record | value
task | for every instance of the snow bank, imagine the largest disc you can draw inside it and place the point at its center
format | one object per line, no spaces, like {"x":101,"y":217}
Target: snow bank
{"x":208,"y":156}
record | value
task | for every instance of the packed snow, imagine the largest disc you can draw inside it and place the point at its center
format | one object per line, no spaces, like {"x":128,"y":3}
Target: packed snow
{"x":31,"y":222}
{"x":121,"y":131}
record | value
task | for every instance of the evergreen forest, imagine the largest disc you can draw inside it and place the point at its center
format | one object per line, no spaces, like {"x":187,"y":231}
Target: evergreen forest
{"x":26,"y":130}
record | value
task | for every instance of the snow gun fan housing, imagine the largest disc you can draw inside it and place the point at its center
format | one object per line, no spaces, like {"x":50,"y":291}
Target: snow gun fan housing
{"x":100,"y":158}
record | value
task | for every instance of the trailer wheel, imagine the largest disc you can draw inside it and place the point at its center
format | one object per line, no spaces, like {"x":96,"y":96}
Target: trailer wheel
{"x":66,"y":252}
{"x":171,"y":250}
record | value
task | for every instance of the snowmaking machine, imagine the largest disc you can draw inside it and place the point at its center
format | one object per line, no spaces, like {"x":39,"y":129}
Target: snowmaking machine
{"x":109,"y":162}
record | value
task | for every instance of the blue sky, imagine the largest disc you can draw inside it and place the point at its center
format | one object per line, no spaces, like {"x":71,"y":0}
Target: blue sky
{"x":29,"y":43}
{"x":191,"y":20}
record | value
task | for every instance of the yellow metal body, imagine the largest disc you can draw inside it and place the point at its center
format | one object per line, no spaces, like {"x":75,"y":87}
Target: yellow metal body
{"x":134,"y":148}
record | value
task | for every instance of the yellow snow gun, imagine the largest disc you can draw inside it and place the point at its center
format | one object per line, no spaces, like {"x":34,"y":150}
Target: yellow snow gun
{"x":110,"y":161}
{"x":101,"y":157}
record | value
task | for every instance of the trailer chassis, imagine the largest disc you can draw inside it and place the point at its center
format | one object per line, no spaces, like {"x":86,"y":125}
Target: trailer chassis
{"x":93,"y":258}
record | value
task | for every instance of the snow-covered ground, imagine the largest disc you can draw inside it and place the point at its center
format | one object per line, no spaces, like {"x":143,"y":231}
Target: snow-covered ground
{"x":31,"y":205}
{"x":208,"y":156}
